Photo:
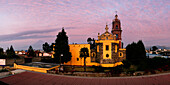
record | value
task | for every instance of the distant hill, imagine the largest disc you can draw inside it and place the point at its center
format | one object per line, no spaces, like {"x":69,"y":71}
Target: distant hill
{"x":158,"y":46}
{"x":37,"y":45}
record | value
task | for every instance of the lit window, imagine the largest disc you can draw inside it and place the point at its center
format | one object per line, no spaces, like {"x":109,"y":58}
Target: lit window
{"x":97,"y":48}
{"x":115,"y":48}
{"x":107,"y":47}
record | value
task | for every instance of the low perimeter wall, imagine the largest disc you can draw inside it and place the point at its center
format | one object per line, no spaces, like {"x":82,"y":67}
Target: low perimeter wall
{"x":36,"y":69}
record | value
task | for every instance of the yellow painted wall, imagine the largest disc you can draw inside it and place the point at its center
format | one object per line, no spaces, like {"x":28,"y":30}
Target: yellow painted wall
{"x":120,"y":54}
{"x":111,"y":65}
{"x":36,"y":69}
{"x":122,"y":49}
{"x":107,"y":51}
{"x":109,"y":43}
{"x":75,"y":52}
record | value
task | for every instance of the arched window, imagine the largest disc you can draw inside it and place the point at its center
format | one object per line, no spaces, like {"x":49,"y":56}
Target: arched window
{"x":77,"y":59}
{"x":116,"y":26}
{"x":120,"y":54}
{"x":116,"y":36}
{"x":106,"y":38}
{"x":107,"y":55}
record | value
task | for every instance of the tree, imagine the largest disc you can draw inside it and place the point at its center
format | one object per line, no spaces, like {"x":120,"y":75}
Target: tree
{"x":52,"y":46}
{"x":94,"y":44}
{"x":46,"y":47}
{"x":31,"y":52}
{"x":130,"y":51}
{"x":2,"y":56}
{"x":10,"y":52}
{"x":141,"y":50}
{"x":135,"y":52}
{"x":84,"y":54}
{"x":126,"y":64}
{"x":154,"y":48}
{"x":62,"y":53}
{"x":1,"y":51}
{"x":89,"y":40}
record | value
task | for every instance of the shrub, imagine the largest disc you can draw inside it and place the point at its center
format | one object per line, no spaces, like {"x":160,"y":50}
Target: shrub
{"x":98,"y":68}
{"x":146,"y":71}
{"x":159,"y":69}
{"x":4,"y":70}
{"x":153,"y":72}
{"x":165,"y":68}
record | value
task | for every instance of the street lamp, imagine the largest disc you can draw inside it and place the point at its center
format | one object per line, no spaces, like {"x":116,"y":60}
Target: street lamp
{"x":60,"y":58}
{"x":61,"y":68}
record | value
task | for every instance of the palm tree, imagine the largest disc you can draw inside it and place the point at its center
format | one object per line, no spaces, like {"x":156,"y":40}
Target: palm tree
{"x":84,"y":54}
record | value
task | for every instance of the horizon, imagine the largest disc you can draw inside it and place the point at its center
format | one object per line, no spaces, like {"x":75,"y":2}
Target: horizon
{"x":25,"y":23}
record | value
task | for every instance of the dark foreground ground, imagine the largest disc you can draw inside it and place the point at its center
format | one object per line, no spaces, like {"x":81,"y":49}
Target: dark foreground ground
{"x":32,"y":78}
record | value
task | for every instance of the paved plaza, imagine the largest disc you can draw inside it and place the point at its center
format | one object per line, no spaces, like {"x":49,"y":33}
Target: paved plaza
{"x":33,"y":78}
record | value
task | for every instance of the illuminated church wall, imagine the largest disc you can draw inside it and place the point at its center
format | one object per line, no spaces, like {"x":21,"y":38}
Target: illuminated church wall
{"x":107,"y":52}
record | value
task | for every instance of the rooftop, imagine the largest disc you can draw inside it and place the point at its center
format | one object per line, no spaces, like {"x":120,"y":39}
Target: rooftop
{"x":41,"y":64}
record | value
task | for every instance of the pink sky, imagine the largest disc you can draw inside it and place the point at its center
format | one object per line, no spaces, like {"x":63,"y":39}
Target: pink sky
{"x":28,"y":22}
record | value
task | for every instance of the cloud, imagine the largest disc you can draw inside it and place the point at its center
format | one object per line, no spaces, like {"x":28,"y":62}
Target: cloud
{"x":144,"y":19}
{"x":34,"y":34}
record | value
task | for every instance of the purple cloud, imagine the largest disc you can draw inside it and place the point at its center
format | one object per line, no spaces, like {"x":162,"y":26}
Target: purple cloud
{"x":140,"y":19}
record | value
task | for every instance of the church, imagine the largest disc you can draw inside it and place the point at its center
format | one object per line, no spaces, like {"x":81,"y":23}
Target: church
{"x":108,"y":50}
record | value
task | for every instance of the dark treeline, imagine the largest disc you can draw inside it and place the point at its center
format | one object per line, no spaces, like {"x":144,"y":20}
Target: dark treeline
{"x":135,"y":52}
{"x":47,"y":47}
{"x":136,"y":56}
{"x":10,"y":53}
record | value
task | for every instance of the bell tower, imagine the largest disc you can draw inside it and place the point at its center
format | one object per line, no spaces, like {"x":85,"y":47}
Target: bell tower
{"x":116,"y":28}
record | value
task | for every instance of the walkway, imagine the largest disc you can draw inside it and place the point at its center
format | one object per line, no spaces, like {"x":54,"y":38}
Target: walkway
{"x":32,"y":78}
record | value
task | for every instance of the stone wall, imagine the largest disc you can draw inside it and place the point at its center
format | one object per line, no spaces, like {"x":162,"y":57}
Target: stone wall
{"x":36,"y":59}
{"x":10,"y":61}
{"x":100,"y":53}
{"x":124,"y":55}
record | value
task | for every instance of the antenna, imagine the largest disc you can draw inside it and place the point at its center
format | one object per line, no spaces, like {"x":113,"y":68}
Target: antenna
{"x":116,"y":15}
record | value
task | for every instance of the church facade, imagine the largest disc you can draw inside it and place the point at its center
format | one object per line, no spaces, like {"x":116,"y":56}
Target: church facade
{"x":108,"y":50}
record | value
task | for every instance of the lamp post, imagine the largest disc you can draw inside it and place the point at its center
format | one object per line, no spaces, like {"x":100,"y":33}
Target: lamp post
{"x":61,"y":68}
{"x":60,"y":58}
